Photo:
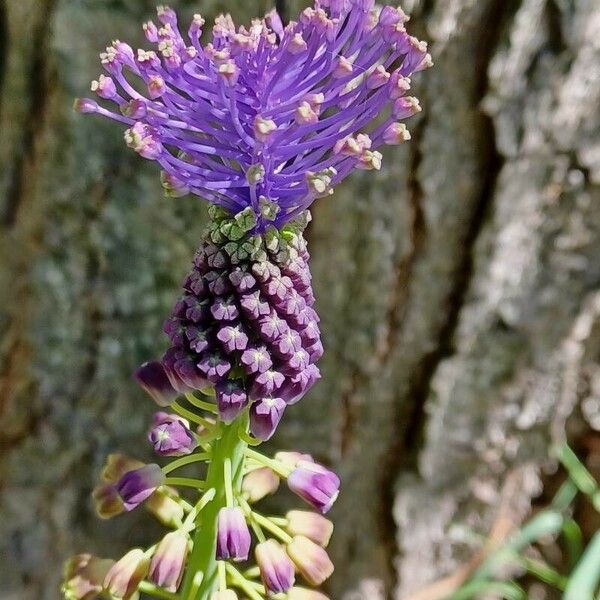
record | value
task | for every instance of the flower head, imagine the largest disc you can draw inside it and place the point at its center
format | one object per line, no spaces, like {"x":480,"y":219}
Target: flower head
{"x":281,"y":98}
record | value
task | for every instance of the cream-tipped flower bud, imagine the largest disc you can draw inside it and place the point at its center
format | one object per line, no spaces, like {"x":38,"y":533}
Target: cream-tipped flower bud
{"x":311,"y":560}
{"x":291,"y":458}
{"x":311,"y":525}
{"x":165,"y":508}
{"x":263,"y":128}
{"x":83,"y":576}
{"x":124,"y":577}
{"x":168,"y":561}
{"x":297,"y":44}
{"x":260,"y":483}
{"x":396,"y":133}
{"x":276,"y":568}
{"x":224,"y":595}
{"x":300,"y":593}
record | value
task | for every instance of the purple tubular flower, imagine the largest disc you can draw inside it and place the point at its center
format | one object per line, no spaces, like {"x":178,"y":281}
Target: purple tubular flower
{"x":153,"y":378}
{"x":136,"y":486}
{"x":233,"y":535}
{"x":276,"y":568}
{"x":315,"y":484}
{"x":272,"y":104}
{"x":265,"y":416}
{"x":171,"y":436}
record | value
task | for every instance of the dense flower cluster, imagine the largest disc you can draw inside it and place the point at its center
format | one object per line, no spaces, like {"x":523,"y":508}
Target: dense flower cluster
{"x":245,"y":323}
{"x":265,"y":112}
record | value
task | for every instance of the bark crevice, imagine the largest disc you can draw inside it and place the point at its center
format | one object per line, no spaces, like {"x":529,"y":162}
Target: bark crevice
{"x":38,"y":93}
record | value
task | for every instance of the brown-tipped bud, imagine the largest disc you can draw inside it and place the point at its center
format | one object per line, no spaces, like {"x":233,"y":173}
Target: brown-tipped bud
{"x":260,"y":483}
{"x":83,"y":576}
{"x":124,"y":577}
{"x":164,"y":506}
{"x":107,"y":501}
{"x":299,"y":593}
{"x":117,"y":465}
{"x":311,"y":525}
{"x":310,"y":559}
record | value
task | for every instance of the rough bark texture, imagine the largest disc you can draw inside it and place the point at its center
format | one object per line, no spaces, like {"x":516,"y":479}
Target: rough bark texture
{"x":459,"y":290}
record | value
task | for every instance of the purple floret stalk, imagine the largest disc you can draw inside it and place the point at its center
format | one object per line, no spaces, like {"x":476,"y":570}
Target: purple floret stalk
{"x":260,"y":121}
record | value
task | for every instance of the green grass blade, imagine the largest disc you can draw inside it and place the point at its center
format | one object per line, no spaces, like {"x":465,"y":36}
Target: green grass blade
{"x":586,"y":576}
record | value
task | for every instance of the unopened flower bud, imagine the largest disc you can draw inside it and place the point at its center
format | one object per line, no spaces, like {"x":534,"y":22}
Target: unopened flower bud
{"x":377,"y":78}
{"x":319,"y":184}
{"x":107,"y":501}
{"x":134,"y":109}
{"x":255,"y":174}
{"x":305,"y":114}
{"x":168,"y":562}
{"x":83,"y":576}
{"x":143,"y":139}
{"x":229,"y":72}
{"x":136,"y":486}
{"x":124,"y":577}
{"x":105,"y":87}
{"x":311,"y":560}
{"x":263,"y":128}
{"x":224,"y":595}
{"x":171,"y":436}
{"x":315,"y":484}
{"x":156,"y":86}
{"x":166,"y":15}
{"x":233,"y":535}
{"x":396,"y":133}
{"x":173,"y":186}
{"x":164,"y":506}
{"x":406,"y":107}
{"x":291,"y":458}
{"x":311,"y":525}
{"x":154,"y":380}
{"x":276,"y":568}
{"x":150,"y":31}
{"x":299,"y":593}
{"x":343,"y":69}
{"x":260,"y":483}
{"x":370,"y":160}
{"x":85,"y":105}
{"x":265,"y":416}
{"x":297,"y":44}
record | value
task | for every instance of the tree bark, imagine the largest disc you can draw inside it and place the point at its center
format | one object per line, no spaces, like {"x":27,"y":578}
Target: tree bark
{"x":459,"y":291}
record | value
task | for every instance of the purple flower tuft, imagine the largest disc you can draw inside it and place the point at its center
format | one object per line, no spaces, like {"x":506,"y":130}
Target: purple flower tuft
{"x":264,"y":117}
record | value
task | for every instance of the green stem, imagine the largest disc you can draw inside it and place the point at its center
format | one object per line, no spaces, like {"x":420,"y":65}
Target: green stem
{"x":185,"y":460}
{"x":202,"y":404}
{"x":203,"y":558}
{"x":152,"y":590}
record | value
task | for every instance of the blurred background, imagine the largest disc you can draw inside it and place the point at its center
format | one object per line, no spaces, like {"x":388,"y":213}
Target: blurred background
{"x":459,"y":291}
